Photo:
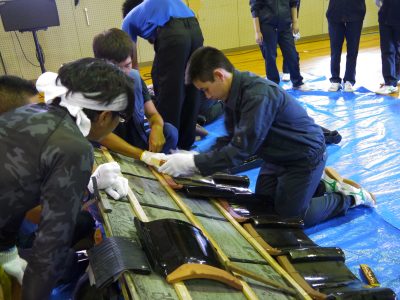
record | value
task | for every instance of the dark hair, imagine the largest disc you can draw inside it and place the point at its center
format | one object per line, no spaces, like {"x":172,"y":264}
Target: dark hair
{"x":203,"y":62}
{"x":15,"y":92}
{"x":98,"y":80}
{"x":114,"y":45}
{"x":129,"y":5}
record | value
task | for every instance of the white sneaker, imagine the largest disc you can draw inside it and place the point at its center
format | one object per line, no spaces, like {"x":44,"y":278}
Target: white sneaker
{"x":331,"y":184}
{"x":335,"y":86}
{"x":361,"y":195}
{"x":304,"y":87}
{"x":348,"y":87}
{"x":334,"y":182}
{"x":285,"y":77}
{"x":386,"y":90}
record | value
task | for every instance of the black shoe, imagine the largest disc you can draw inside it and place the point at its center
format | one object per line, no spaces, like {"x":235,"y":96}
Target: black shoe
{"x":332,"y":137}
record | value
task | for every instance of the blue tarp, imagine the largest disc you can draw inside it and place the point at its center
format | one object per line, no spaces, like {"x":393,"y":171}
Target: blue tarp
{"x":369,"y":153}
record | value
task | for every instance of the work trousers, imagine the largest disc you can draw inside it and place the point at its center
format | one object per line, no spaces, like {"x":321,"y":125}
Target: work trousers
{"x":390,"y":53}
{"x":291,"y":192}
{"x":338,"y":31}
{"x":272,"y":37}
{"x":177,"y":103}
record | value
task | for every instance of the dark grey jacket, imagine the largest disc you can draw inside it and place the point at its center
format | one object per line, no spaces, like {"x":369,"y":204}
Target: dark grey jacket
{"x":274,"y":12}
{"x":389,"y":13}
{"x":346,"y":11}
{"x":261,"y":118}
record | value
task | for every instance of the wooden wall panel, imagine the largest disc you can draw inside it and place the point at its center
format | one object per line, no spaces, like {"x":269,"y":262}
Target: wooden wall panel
{"x":246,"y":30}
{"x":219,"y":23}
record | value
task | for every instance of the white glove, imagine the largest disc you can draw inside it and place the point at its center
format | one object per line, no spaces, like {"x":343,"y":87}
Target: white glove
{"x":105,"y":175}
{"x":174,"y":151}
{"x":179,"y":164}
{"x":152,"y":159}
{"x":296,"y":36}
{"x":378,"y":3}
{"x":12,"y":264}
{"x":119,"y":188}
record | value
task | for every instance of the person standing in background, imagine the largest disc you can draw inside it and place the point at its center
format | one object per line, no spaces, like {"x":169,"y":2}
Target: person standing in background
{"x":345,"y":20}
{"x":175,"y":32}
{"x":285,"y":68}
{"x":389,"y":31}
{"x":275,"y":22}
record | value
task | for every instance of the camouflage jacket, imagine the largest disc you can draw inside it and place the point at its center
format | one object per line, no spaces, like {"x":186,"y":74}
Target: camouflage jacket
{"x":44,"y":159}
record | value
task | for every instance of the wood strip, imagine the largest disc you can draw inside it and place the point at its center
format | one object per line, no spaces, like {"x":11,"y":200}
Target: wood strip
{"x":235,"y":268}
{"x":137,"y":208}
{"x":180,"y":288}
{"x":273,"y":263}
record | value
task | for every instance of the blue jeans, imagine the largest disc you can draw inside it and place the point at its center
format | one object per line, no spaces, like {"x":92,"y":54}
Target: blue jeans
{"x":390,"y":52}
{"x":272,"y":37}
{"x":338,"y":31}
{"x":291,"y":192}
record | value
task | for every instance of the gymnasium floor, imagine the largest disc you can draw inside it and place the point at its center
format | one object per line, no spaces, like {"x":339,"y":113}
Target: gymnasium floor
{"x":369,"y":153}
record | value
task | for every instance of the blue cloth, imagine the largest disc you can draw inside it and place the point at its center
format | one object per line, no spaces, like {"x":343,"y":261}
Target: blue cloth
{"x":145,"y":18}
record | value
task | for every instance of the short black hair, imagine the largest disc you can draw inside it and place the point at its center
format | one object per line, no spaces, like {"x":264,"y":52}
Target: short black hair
{"x":114,"y":45}
{"x":128,"y":5}
{"x":203,"y":62}
{"x":99,"y":80}
{"x":15,"y":92}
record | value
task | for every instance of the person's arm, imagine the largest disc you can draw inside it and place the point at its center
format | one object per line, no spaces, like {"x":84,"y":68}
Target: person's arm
{"x":114,"y":143}
{"x":156,"y":138}
{"x":295,"y":20}
{"x":66,"y":164}
{"x":257,"y":31}
{"x":255,"y":6}
{"x":257,"y":114}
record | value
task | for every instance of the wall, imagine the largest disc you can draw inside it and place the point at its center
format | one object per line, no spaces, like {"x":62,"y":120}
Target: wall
{"x":226,"y":24}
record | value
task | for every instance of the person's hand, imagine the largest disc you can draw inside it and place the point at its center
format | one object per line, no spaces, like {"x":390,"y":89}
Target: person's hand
{"x":156,"y":139}
{"x":378,"y":3}
{"x":119,"y":188}
{"x":296,"y":36}
{"x":259,"y":37}
{"x":13,"y":264}
{"x":153,"y":159}
{"x":179,"y":164}
{"x":105,"y":175}
{"x":295,"y":27}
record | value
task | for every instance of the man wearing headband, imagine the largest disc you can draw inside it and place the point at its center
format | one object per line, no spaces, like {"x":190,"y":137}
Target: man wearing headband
{"x":131,"y":138}
{"x":46,"y":159}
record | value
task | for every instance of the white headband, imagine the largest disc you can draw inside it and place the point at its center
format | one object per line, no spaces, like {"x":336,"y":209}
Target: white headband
{"x":75,"y":102}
